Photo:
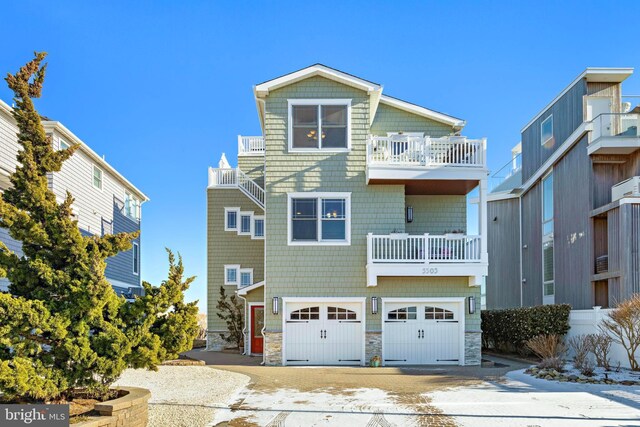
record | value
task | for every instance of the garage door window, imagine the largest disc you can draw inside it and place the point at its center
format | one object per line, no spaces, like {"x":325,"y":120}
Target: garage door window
{"x":307,"y":313}
{"x":338,"y":313}
{"x":437,"y":313}
{"x":404,"y":313}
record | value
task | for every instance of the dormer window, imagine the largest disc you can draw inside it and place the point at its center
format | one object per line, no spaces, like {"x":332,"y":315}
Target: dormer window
{"x":319,"y":125}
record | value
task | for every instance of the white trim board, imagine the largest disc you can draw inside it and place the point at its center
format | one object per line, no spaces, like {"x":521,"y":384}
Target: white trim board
{"x":247,"y":289}
{"x":263,"y":89}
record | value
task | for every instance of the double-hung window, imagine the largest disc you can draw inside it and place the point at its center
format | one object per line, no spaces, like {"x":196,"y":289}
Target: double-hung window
{"x":246,"y":277}
{"x":548,"y":284}
{"x":97,"y":177}
{"x":231,"y":219}
{"x":246,"y":218}
{"x":231,"y":273}
{"x":319,"y":218}
{"x":316,"y":124}
{"x":258,"y":227}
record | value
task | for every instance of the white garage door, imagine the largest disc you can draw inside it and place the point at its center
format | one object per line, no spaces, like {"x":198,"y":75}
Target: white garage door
{"x":422,"y":332}
{"x":323,"y":333}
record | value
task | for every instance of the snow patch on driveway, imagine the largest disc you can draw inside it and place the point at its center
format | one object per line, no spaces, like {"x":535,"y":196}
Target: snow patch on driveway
{"x":521,"y":400}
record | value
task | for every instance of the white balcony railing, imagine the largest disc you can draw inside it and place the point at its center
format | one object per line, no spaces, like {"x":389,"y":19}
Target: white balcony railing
{"x":405,"y":150}
{"x":250,"y":145}
{"x":235,"y":178}
{"x":421,"y":249}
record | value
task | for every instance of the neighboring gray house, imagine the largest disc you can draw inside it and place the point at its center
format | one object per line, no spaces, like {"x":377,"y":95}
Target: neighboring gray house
{"x":105,"y":202}
{"x":344,"y":228}
{"x":564,"y":223}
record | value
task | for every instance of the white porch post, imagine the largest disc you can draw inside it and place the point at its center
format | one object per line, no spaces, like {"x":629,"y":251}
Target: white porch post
{"x":482,"y":220}
{"x":369,"y":248}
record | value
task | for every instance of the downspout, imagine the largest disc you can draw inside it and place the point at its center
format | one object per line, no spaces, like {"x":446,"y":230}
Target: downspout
{"x":244,"y":328}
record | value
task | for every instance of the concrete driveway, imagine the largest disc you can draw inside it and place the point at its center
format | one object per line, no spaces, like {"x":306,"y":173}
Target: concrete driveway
{"x":416,"y":396}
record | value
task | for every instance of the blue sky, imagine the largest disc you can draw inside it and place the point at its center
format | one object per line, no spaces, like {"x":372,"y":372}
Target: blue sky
{"x":163,"y":88}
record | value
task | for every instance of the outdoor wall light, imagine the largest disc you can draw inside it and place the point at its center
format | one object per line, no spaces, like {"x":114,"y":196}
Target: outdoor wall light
{"x":409,"y":213}
{"x":374,"y":305}
{"x":275,"y":305}
{"x":472,"y":305}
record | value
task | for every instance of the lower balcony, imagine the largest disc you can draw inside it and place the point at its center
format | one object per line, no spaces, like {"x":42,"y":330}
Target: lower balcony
{"x":401,"y":254}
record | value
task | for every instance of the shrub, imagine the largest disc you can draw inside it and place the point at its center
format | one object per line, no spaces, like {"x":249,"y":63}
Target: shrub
{"x":510,"y":329}
{"x":63,"y":329}
{"x":230,"y":309}
{"x":550,"y":349}
{"x":600,"y":346}
{"x":623,"y":325}
{"x":581,"y":347}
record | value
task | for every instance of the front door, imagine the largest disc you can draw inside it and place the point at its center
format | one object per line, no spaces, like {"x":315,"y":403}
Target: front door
{"x":257,"y":323}
{"x":599,"y":109}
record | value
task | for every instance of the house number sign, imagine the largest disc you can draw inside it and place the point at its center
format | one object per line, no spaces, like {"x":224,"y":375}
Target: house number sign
{"x":430,"y":270}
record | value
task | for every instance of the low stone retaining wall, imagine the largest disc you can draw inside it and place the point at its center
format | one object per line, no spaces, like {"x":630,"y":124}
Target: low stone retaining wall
{"x":130,"y":410}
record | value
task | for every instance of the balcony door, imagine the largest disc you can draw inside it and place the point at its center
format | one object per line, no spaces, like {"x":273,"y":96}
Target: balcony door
{"x":599,"y":110}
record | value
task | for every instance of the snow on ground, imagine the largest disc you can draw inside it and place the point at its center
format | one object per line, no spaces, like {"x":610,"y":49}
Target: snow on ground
{"x":617,"y":375}
{"x":345,"y":407}
{"x":185,"y":396}
{"x":522,"y":400}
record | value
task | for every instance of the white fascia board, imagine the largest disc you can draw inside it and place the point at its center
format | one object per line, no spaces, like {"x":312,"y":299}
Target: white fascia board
{"x":433,"y":269}
{"x":400,"y":172}
{"x":247,"y":289}
{"x":503,"y":195}
{"x":424,"y":112}
{"x":324,"y":299}
{"x":59,"y":127}
{"x":263,"y":89}
{"x":592,"y":74}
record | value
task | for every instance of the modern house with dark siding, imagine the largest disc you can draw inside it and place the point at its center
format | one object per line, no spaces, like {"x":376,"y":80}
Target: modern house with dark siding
{"x":564,"y":225}
{"x":105,"y":201}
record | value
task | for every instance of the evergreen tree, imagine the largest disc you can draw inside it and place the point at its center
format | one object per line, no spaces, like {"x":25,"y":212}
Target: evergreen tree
{"x":62,"y":326}
{"x":230,"y":310}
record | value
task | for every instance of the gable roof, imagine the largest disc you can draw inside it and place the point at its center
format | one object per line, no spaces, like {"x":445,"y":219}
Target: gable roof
{"x":50,"y":125}
{"x":374,"y":90}
{"x":422,"y":111}
{"x":263,"y":88}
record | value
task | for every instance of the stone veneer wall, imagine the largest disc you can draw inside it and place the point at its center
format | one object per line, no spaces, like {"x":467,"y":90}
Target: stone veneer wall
{"x":472,"y":348}
{"x":215,"y":341}
{"x":273,"y":348}
{"x":372,"y":346}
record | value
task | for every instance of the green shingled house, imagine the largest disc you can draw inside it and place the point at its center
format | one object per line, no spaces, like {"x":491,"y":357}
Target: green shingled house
{"x":343,"y":228}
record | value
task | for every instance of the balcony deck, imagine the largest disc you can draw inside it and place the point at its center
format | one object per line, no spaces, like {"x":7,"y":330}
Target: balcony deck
{"x":401,"y":254}
{"x":406,"y":159}
{"x":615,"y":133}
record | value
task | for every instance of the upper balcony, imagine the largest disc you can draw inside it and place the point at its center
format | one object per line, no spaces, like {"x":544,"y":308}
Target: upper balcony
{"x":419,"y":161}
{"x":250,"y":145}
{"x":402,"y":254}
{"x":615,"y":133}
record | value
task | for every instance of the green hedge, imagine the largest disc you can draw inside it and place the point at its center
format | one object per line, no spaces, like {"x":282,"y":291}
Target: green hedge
{"x":509,"y":329}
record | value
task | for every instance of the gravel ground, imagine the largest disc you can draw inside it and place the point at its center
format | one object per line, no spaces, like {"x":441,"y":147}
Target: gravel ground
{"x":185,"y":396}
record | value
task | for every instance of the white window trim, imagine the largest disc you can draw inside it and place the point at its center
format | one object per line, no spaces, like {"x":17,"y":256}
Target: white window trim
{"x":226,"y":224}
{"x":93,"y":182}
{"x":542,"y":125}
{"x":320,"y":195}
{"x":235,"y":267}
{"x":250,"y":215}
{"x":245,"y":270}
{"x":253,"y":227}
{"x":62,"y":141}
{"x":136,"y":265}
{"x":292,"y":102}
